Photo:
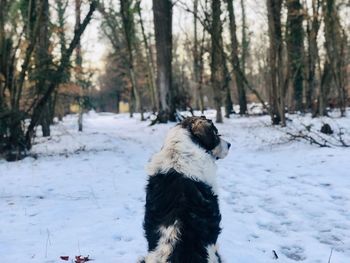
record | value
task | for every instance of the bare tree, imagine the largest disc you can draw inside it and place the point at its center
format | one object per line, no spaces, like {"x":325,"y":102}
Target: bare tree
{"x":162,"y":13}
{"x":276,"y":94}
{"x":196,"y":58}
{"x":245,"y":41}
{"x":79,"y":66}
{"x":335,"y":53}
{"x":295,"y":49}
{"x":130,"y":37}
{"x":312,"y":29}
{"x":235,"y":60}
{"x":150,"y":64}
{"x":58,"y":76}
{"x":216,"y":58}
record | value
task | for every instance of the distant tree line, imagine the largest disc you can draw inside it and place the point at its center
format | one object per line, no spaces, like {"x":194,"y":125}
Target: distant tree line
{"x":301,"y":64}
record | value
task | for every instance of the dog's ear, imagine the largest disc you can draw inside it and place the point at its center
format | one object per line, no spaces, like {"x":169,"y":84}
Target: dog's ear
{"x":205,"y":133}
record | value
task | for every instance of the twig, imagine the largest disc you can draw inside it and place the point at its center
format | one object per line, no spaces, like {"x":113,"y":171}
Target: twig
{"x":330,"y":256}
{"x":275,"y":254}
{"x":48,"y":241}
{"x":341,"y":139}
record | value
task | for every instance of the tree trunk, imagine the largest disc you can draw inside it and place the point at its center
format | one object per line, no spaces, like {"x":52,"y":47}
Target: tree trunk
{"x":216,"y":58}
{"x":79,"y":67}
{"x":150,"y":69}
{"x":335,"y":56}
{"x":201,"y":71}
{"x":245,"y":42}
{"x":235,"y":60}
{"x":276,"y":96}
{"x":3,"y":59}
{"x":162,"y":12}
{"x":43,"y":60}
{"x":197,"y":59}
{"x":326,"y":81}
{"x":312,"y":28}
{"x":129,"y":32}
{"x":228,"y":99}
{"x":295,"y":48}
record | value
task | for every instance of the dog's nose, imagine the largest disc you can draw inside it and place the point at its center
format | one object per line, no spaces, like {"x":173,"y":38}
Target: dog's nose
{"x":228,"y":145}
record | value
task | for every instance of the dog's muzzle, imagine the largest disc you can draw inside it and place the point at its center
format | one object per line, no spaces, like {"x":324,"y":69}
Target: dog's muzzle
{"x":221,"y":151}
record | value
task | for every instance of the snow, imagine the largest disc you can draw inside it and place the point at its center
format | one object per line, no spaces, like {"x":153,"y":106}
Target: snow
{"x":84,"y":194}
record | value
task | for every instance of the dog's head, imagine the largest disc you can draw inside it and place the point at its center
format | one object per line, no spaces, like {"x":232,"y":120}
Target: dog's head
{"x":205,"y":134}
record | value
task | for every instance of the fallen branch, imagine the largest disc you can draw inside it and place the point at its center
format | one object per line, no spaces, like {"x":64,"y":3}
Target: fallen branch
{"x":307,"y":138}
{"x":316,"y":138}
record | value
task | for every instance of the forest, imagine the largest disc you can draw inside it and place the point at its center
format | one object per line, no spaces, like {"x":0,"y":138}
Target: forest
{"x":225,"y":123}
{"x":297,"y":63}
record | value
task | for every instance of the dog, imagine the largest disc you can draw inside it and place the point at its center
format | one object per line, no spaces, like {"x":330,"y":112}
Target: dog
{"x":182,"y":216}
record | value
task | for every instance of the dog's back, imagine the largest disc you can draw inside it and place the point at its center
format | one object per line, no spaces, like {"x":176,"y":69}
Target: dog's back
{"x":182,"y":219}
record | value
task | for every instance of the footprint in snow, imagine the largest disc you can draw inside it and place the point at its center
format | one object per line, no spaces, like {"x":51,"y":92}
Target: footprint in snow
{"x":122,"y":238}
{"x":293,"y":252}
{"x":275,"y":228}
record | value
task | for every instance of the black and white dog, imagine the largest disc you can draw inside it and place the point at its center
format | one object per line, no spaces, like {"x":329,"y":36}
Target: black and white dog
{"x":182,"y":217}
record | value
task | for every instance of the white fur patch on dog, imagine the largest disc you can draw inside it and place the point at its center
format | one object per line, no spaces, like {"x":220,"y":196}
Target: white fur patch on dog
{"x":168,"y":237}
{"x":212,"y":257}
{"x":180,"y":153}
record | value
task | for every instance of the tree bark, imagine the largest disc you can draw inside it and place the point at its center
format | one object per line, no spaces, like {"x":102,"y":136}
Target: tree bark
{"x":129,"y":32}
{"x":335,"y":55}
{"x":201,"y":71}
{"x":3,"y":60}
{"x":276,"y":96}
{"x":79,"y":67}
{"x":295,"y":49}
{"x":43,"y":61}
{"x":245,"y":42}
{"x":198,"y":50}
{"x":312,"y":28}
{"x":150,"y":69}
{"x":235,"y":61}
{"x":162,"y":12}
{"x":216,"y":58}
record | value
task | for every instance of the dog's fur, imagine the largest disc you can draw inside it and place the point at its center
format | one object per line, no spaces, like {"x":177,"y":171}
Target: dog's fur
{"x":182,"y":218}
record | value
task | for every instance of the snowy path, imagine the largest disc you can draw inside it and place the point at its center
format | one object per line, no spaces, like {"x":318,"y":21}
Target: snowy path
{"x":85,"y":194}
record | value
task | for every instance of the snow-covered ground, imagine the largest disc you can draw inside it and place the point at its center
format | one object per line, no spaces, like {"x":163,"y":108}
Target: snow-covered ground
{"x":84,"y":193}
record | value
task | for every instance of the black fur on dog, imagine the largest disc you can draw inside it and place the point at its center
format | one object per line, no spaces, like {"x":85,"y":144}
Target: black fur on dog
{"x":182,"y":216}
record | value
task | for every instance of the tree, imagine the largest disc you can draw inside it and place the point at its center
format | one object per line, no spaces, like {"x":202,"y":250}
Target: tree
{"x":43,"y":64}
{"x":335,"y":42}
{"x":79,"y":67}
{"x":129,"y":32}
{"x":276,"y":94}
{"x":235,"y":60}
{"x":58,"y":76}
{"x":29,"y":67}
{"x":150,"y":64}
{"x":312,"y":29}
{"x":162,"y":13}
{"x":198,"y":58}
{"x":61,"y":100}
{"x":245,"y":40}
{"x":216,"y":58}
{"x":295,"y":47}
